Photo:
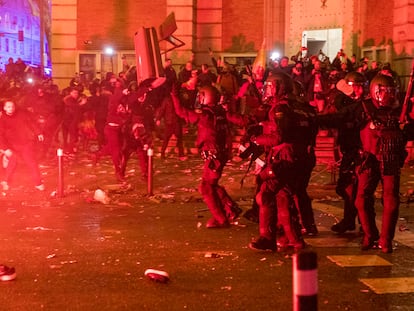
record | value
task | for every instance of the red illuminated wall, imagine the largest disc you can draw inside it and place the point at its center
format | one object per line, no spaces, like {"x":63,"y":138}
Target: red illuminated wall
{"x":115,"y":22}
{"x":99,"y":20}
{"x":242,"y":19}
{"x":377,"y":22}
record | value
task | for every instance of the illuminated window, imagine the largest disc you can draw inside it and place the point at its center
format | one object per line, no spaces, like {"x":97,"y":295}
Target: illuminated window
{"x":7,"y":20}
{"x":21,"y":48}
{"x":14,"y":23}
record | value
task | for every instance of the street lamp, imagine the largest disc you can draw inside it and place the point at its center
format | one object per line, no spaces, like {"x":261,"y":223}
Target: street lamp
{"x":110,"y":52}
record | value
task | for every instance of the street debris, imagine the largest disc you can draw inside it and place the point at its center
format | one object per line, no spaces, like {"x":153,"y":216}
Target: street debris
{"x":125,"y":204}
{"x":403,"y":224}
{"x":101,"y":196}
{"x":212,"y":255}
{"x":158,"y":276}
{"x":36,"y":204}
{"x":38,"y":229}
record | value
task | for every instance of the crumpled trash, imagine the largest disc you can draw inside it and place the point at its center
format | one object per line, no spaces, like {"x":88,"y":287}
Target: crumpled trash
{"x":157,"y":275}
{"x":101,"y":196}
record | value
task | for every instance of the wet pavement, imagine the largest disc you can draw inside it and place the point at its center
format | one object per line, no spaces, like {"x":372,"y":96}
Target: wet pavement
{"x":74,"y":253}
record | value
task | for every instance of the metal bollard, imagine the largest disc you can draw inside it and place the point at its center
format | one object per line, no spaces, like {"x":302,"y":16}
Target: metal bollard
{"x":60,"y":191}
{"x":150,"y":153}
{"x":305,"y":281}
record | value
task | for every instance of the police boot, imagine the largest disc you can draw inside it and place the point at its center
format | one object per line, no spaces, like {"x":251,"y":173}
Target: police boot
{"x":389,"y":222}
{"x":267,"y":221}
{"x":219,"y":219}
{"x":252,"y":214}
{"x":287,"y":218}
{"x":370,"y":230}
{"x":231,"y":208}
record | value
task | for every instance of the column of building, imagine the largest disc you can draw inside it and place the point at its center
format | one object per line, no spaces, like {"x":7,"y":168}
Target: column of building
{"x":403,"y":38}
{"x":64,"y":31}
{"x":184,"y":11}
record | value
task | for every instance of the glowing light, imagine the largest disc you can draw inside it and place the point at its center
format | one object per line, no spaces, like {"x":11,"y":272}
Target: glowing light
{"x":109,"y":50}
{"x":275,"y":56}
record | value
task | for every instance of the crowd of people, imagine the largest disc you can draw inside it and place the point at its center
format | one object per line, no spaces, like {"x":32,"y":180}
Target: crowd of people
{"x":282,"y":104}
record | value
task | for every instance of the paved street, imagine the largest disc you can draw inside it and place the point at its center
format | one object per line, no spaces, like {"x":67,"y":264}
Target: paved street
{"x":74,"y":253}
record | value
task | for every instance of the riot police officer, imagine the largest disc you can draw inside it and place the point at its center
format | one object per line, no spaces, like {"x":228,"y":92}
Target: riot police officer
{"x":383,"y":155}
{"x":215,"y":144}
{"x":283,"y":166}
{"x":347,"y":102}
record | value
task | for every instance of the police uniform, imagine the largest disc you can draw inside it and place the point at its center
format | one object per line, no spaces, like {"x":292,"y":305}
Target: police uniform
{"x":382,"y":156}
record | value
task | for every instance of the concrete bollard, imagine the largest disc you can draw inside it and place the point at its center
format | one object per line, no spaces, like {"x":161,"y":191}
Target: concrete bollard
{"x":305,"y":281}
{"x":60,"y":191}
{"x":150,"y":154}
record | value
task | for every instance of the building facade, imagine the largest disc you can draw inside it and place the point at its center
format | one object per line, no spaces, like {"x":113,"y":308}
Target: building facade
{"x":82,"y":30}
{"x":22,"y":23}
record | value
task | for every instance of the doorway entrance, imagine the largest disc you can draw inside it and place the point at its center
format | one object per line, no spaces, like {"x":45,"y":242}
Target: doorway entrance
{"x":329,"y":41}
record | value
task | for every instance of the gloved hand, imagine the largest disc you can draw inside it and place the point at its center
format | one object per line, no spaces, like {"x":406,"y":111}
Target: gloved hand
{"x":8,"y":153}
{"x":286,"y":153}
{"x":283,"y":152}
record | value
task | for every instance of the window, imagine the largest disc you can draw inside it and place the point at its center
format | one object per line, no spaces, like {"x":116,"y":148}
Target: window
{"x":378,"y":53}
{"x":87,"y":67}
{"x":14,"y":23}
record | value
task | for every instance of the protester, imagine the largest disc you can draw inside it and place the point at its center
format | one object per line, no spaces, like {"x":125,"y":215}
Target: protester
{"x":18,"y":134}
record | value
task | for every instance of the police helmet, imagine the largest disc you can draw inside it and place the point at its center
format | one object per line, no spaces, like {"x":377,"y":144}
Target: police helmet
{"x":207,"y":96}
{"x":383,"y":90}
{"x":277,"y":85}
{"x":354,"y":78}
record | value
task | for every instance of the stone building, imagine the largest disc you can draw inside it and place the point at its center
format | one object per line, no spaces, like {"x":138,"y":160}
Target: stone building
{"x":82,"y":30}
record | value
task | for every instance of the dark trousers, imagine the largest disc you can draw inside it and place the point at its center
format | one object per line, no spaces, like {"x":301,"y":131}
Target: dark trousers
{"x":277,"y":210}
{"x":27,"y":153}
{"x":70,"y":132}
{"x":113,"y":147}
{"x":175,"y":129}
{"x":141,"y":152}
{"x":215,"y":196}
{"x":303,"y":171}
{"x":368,"y":180}
{"x":346,"y":186}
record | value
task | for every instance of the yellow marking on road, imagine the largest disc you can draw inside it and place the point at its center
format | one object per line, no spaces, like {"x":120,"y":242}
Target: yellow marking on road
{"x":390,"y":285}
{"x":359,"y":260}
{"x":405,"y":237}
{"x":332,"y":241}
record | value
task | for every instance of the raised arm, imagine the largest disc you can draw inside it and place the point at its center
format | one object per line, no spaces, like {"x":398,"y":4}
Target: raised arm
{"x":188,"y":115}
